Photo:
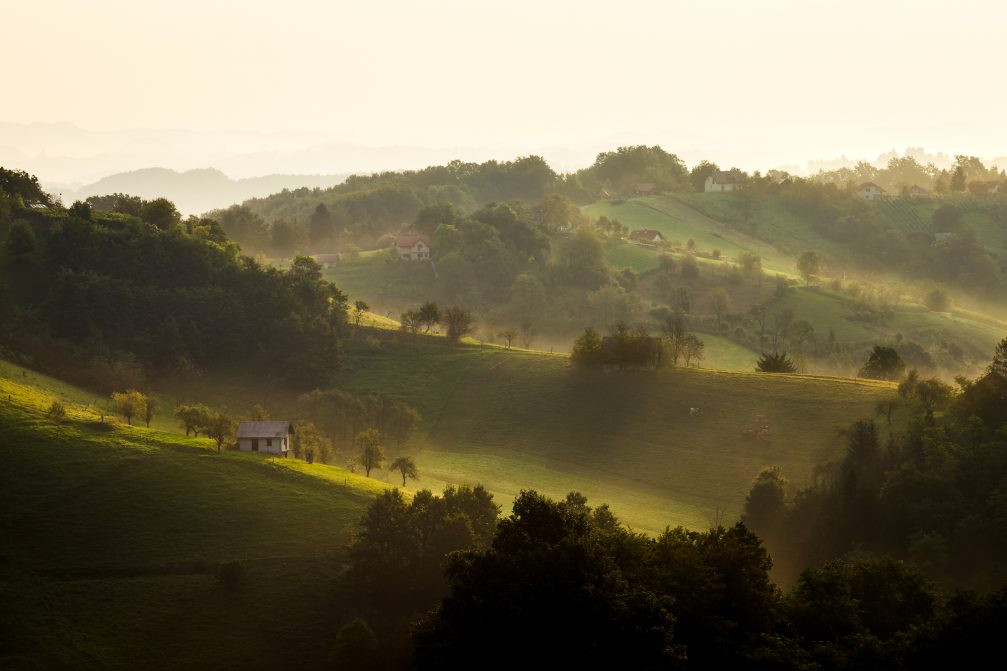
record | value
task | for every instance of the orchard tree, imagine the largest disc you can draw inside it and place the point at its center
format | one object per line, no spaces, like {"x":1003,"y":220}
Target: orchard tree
{"x":220,"y":427}
{"x":372,"y":453}
{"x":129,"y":404}
{"x":587,"y":349}
{"x":508,"y":336}
{"x":193,"y":417}
{"x":359,"y":308}
{"x":884,"y":363}
{"x":407,"y":467}
{"x":151,"y":407}
{"x":428,"y":315}
{"x":459,"y":323}
{"x":809,"y":266}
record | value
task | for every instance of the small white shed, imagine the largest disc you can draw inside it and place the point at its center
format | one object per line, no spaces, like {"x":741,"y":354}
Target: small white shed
{"x":271,"y":437}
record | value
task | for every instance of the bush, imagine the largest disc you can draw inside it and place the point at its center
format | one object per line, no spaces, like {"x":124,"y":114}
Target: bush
{"x":230,"y":574}
{"x":57,"y":411}
{"x":937,"y":300}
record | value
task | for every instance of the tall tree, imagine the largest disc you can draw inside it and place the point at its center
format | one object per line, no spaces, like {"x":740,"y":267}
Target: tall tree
{"x":407,"y":467}
{"x":372,"y":453}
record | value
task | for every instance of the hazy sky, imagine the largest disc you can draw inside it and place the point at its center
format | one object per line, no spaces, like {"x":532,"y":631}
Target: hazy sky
{"x":753,"y":83}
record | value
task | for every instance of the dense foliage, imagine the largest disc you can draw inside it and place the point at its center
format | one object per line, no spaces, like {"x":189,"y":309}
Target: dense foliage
{"x":926,"y":485}
{"x":126,"y":295}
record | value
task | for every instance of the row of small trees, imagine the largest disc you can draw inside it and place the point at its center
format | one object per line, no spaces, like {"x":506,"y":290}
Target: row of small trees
{"x":636,"y":347}
{"x":457,"y":321}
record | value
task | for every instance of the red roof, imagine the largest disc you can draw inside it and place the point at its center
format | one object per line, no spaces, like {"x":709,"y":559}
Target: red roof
{"x":409,"y":241}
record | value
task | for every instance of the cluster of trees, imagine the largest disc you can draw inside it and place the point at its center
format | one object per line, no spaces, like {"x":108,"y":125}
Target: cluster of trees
{"x":119,"y":297}
{"x":458,"y":322}
{"x":341,"y":421}
{"x":134,"y":403}
{"x":627,"y":347}
{"x":923,"y":483}
{"x":562,"y":584}
{"x":395,"y":567}
{"x":968,"y":173}
{"x":215,"y":424}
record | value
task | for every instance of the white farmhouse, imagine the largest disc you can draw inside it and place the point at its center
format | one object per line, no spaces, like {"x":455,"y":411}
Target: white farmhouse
{"x":724,"y":181}
{"x":870,"y":191}
{"x":271,"y":437}
{"x":412,"y":247}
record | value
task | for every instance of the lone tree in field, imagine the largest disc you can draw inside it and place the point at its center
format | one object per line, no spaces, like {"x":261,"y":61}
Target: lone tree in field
{"x":809,"y":265}
{"x":220,"y":427}
{"x":193,"y":417}
{"x":777,"y":362}
{"x":407,"y":467}
{"x":587,"y":349}
{"x":129,"y":404}
{"x":508,"y":336}
{"x":151,"y":407}
{"x":428,"y":315}
{"x":359,"y":308}
{"x":884,"y":363}
{"x":459,"y":323}
{"x":372,"y":454}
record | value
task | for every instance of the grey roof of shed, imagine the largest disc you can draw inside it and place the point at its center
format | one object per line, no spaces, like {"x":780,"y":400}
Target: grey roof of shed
{"x":264,"y":429}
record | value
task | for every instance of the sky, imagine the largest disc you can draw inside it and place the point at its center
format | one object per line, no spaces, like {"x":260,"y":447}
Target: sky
{"x":752,"y":84}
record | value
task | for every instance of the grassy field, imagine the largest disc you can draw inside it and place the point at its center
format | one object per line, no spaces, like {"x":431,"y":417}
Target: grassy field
{"x":513,"y":420}
{"x":110,"y":536}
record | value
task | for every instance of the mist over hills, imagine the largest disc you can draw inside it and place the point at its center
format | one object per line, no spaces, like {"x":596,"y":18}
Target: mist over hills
{"x":195,"y":191}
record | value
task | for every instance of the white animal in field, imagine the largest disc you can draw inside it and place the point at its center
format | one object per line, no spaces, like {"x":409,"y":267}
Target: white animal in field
{"x":695,"y":412}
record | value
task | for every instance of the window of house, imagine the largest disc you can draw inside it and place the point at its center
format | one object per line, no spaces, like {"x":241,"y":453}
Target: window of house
{"x":269,"y":442}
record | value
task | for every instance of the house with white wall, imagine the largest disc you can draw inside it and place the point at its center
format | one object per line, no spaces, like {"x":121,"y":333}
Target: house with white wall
{"x":273,"y":437}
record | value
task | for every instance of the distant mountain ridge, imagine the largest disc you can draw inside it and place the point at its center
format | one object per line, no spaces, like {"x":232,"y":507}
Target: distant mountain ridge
{"x":200,"y":190}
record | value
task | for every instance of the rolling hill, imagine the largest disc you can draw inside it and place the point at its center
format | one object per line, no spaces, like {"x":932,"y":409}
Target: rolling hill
{"x":514,"y":420}
{"x":110,"y":537}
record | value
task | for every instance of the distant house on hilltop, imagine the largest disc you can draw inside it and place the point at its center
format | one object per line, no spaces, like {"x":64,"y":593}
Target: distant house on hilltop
{"x":917,"y":192}
{"x":646,"y":189}
{"x":271,"y":437}
{"x":414,"y":247}
{"x":724,"y":180}
{"x":326,"y":260}
{"x":870,"y":191}
{"x":646,"y":235}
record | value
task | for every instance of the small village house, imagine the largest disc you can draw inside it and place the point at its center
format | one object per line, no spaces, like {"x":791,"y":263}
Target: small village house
{"x":724,"y":180}
{"x":646,"y":189}
{"x":917,"y":192}
{"x":646,"y":236}
{"x":273,"y":437}
{"x":413,"y":247}
{"x":326,"y":261}
{"x":870,"y":191}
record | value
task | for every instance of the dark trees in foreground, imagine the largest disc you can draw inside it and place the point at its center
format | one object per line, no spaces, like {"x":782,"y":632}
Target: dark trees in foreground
{"x":565,"y":586}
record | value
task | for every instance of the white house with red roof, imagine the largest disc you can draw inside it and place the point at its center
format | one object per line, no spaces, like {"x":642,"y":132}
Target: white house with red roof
{"x":413,"y":247}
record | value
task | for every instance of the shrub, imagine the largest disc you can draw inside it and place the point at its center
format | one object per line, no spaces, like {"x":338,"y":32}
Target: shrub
{"x":57,"y":411}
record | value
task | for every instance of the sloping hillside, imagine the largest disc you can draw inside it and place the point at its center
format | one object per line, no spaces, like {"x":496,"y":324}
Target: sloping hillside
{"x":110,"y":537}
{"x":514,"y":420}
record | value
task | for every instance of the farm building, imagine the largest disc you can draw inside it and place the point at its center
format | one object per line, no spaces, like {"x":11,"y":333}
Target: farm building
{"x":265,"y":437}
{"x":724,"y":180}
{"x":646,"y":235}
{"x":413,"y":247}
{"x":646,"y":189}
{"x":326,"y":261}
{"x":917,"y":192}
{"x":870,"y":191}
